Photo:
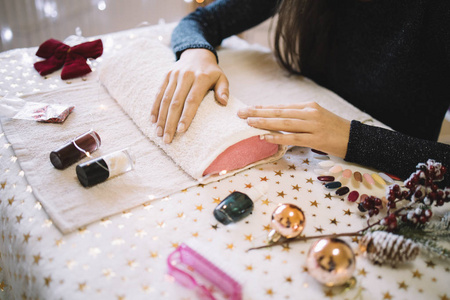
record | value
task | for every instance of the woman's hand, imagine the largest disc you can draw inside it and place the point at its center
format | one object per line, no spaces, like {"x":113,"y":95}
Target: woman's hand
{"x":183,"y":89}
{"x":304,"y":124}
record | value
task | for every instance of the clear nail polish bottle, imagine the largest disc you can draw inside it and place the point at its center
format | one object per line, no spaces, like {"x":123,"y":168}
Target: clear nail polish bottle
{"x":101,"y":169}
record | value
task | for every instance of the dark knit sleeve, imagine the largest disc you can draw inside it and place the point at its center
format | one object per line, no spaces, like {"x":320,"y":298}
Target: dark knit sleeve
{"x":393,"y":152}
{"x":208,"y":26}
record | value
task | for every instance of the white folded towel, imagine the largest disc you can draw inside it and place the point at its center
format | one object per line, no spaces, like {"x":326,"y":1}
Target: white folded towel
{"x":133,"y":77}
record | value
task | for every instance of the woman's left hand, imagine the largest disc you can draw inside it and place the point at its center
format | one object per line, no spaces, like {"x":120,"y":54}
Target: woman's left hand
{"x":304,"y":124}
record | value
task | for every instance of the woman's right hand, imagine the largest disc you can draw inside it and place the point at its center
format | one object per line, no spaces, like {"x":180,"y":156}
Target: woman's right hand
{"x":183,"y":89}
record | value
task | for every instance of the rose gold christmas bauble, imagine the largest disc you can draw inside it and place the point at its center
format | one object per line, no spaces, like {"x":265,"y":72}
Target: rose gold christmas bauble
{"x":331,"y":261}
{"x":288,"y":220}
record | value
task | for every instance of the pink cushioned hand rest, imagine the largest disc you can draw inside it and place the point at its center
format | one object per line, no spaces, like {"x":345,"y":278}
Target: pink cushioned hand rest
{"x":242,"y":154}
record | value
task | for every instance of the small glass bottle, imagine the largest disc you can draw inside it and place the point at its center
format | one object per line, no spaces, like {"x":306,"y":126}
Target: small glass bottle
{"x":100,"y":169}
{"x":75,"y":150}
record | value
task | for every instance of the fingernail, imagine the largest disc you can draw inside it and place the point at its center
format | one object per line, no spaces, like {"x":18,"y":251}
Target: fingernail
{"x":225,"y":97}
{"x":251,"y":121}
{"x":181,"y":127}
{"x":268,"y":137}
{"x":166,"y":138}
{"x":159,"y":131}
{"x":153,"y":118}
{"x":242,"y":112}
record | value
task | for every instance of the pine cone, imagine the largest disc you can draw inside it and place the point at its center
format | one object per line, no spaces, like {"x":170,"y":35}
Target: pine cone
{"x":383,"y":247}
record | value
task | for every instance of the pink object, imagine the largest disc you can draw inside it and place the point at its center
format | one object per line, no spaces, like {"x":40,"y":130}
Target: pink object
{"x":193,"y":263}
{"x":335,"y":169}
{"x":347,"y":173}
{"x":241,"y":154}
{"x":369,"y":178}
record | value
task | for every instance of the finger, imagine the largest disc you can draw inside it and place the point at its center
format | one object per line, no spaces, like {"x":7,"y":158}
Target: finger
{"x":281,"y":124}
{"x":221,"y":90}
{"x":175,"y":110}
{"x":164,"y":107}
{"x":299,"y":105}
{"x":275,"y":113}
{"x":297,"y":139}
{"x":196,"y":94}
{"x":155,"y":107}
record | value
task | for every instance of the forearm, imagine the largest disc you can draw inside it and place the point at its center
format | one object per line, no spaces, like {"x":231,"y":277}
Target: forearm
{"x":208,"y":26}
{"x":393,"y":152}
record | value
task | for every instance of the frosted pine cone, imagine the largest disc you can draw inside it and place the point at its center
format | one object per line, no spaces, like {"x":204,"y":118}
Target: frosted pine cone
{"x":382,"y":247}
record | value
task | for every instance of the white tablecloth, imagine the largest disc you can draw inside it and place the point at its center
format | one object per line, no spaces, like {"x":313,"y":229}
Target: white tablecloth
{"x":124,"y":256}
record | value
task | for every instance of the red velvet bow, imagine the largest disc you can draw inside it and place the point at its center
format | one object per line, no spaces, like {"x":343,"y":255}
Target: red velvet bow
{"x":71,"y":59}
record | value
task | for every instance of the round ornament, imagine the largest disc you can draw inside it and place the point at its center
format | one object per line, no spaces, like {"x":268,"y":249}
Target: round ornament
{"x":331,"y":261}
{"x":288,"y":220}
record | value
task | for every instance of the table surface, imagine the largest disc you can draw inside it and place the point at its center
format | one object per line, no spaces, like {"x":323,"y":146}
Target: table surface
{"x":124,"y":256}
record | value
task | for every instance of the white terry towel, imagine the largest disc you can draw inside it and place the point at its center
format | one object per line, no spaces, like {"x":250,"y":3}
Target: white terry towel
{"x":133,"y":77}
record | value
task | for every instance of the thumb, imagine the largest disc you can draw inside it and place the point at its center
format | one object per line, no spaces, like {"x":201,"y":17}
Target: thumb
{"x":221,"y":90}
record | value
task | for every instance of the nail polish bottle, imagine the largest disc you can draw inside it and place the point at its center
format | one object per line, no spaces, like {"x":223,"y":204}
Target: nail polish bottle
{"x":233,"y":208}
{"x":75,"y":150}
{"x":101,"y":169}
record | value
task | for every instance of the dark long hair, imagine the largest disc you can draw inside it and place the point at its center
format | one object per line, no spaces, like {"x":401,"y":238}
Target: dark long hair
{"x":304,"y":35}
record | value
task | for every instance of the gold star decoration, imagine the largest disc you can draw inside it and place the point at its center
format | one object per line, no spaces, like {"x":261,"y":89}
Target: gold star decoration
{"x":387,"y":296}
{"x":47,"y":280}
{"x":288,"y":279}
{"x":249,"y":268}
{"x":347,"y":212}
{"x":362,"y":272}
{"x":2,"y":286}
{"x":81,"y":286}
{"x":249,"y":237}
{"x":444,"y":297}
{"x":216,"y":200}
{"x":334,"y":221}
{"x":430,"y":264}
{"x":230,"y":246}
{"x":278,"y":173}
{"x":59,"y":242}
{"x":215,"y":226}
{"x":26,"y":237}
{"x":267,"y":227}
{"x":309,"y":180}
{"x":306,"y":161}
{"x":37,"y":258}
{"x":417,"y":274}
{"x":154,"y":254}
{"x":265,"y":202}
{"x":199,"y":207}
{"x":328,"y":196}
{"x":263,"y":178}
{"x":314,"y":203}
{"x":319,"y":229}
{"x":3,"y":185}
{"x":19,"y":218}
{"x":281,"y":194}
{"x":292,"y":167}
{"x":11,"y":201}
{"x":402,"y":285}
{"x":248,"y":186}
{"x":268,"y":257}
{"x":296,"y":187}
{"x":269,"y":292}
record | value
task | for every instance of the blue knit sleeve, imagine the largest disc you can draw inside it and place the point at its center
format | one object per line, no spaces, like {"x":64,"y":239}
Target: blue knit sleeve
{"x":208,"y":26}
